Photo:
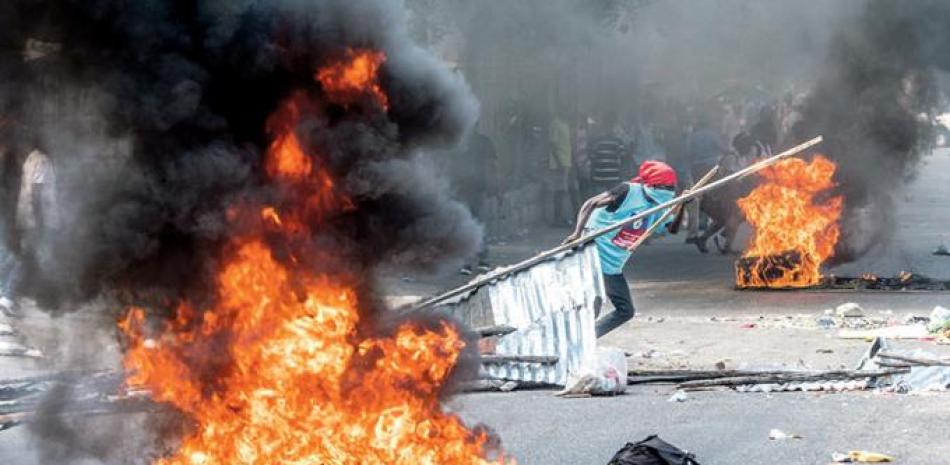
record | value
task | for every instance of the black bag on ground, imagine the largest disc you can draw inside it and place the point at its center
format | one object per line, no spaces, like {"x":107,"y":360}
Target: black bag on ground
{"x":652,"y":451}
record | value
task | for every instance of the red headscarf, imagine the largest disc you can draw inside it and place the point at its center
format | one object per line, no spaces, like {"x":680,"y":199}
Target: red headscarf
{"x":656,"y":173}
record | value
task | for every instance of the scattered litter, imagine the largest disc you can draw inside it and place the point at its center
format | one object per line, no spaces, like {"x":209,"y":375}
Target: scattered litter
{"x":747,"y":326}
{"x":725,"y":364}
{"x":861,"y":457}
{"x":891,"y":332}
{"x":849,"y":310}
{"x":840,"y":458}
{"x":647,"y":354}
{"x":679,"y":396}
{"x":826,"y":322}
{"x":942,"y":250}
{"x":603,"y":373}
{"x":779,"y":435}
{"x":652,"y":451}
{"x":824,"y":351}
{"x":912,"y":319}
{"x":939,"y":319}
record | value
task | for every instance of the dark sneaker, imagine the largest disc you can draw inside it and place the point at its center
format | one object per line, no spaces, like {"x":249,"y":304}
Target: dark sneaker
{"x":699,"y":243}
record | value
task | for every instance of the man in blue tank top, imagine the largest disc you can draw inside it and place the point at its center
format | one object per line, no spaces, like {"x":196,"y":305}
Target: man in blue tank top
{"x":655,"y":184}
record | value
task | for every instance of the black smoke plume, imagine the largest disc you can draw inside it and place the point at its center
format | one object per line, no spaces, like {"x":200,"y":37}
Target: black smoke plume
{"x":875,"y":103}
{"x":189,"y":85}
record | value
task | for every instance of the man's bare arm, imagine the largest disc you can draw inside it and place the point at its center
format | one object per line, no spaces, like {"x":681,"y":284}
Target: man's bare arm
{"x":593,"y":203}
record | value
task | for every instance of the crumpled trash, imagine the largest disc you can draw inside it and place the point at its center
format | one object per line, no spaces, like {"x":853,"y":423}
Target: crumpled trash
{"x":678,"y":396}
{"x":942,"y":250}
{"x":861,"y":457}
{"x":602,"y":373}
{"x":779,"y":435}
{"x":939,"y":319}
{"x":826,"y":322}
{"x":849,"y":310}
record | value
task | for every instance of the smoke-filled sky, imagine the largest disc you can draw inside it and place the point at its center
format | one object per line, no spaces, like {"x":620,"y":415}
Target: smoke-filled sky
{"x":861,"y":72}
{"x":154,"y":113}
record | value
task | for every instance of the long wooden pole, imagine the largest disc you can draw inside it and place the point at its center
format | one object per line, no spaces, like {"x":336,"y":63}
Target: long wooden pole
{"x":528,"y":263}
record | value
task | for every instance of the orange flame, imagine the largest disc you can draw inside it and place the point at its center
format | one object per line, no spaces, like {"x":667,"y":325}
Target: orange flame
{"x":785,"y":219}
{"x":286,"y":158}
{"x":275,"y":372}
{"x":348,"y":81}
{"x":291,"y":392}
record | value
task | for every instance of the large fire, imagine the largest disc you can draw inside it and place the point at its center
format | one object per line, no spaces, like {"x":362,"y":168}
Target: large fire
{"x":275,"y":371}
{"x":794,"y":231}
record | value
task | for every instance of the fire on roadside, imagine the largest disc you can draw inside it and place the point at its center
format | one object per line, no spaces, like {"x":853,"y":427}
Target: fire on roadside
{"x":794,"y":229}
{"x":275,"y":371}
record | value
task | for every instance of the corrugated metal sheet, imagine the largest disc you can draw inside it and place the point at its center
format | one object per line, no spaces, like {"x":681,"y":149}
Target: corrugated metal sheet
{"x":551,"y":304}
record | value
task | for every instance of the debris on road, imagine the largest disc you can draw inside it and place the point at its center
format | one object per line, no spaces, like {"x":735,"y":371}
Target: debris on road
{"x":779,"y":435}
{"x":601,"y":375}
{"x":652,"y":451}
{"x":679,"y":396}
{"x":861,"y":457}
{"x":794,"y":378}
{"x":849,"y":310}
{"x":939,"y":320}
{"x":891,"y":332}
{"x":942,"y":250}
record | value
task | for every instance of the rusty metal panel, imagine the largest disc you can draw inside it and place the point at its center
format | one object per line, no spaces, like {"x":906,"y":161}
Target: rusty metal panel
{"x":553,"y":307}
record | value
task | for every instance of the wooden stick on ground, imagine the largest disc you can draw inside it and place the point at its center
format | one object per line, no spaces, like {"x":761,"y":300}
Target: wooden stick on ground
{"x":931,"y":362}
{"x":543,"y":256}
{"x":680,"y":376}
{"x":791,"y":378}
{"x":673,"y":211}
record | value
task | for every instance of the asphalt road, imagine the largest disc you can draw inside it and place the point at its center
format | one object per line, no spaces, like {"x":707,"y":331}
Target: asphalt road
{"x":722,"y":428}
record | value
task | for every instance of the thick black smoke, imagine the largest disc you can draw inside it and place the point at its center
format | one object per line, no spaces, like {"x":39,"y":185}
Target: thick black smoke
{"x":189,"y":85}
{"x":875,"y":103}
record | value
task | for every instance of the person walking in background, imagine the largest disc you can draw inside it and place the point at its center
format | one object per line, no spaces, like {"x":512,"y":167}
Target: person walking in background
{"x":580,"y":167}
{"x":654,"y":185}
{"x":559,"y":168}
{"x":473,"y":169}
{"x":705,"y":148}
{"x":676,"y":130}
{"x":765,"y":130}
{"x":607,"y":155}
{"x":37,"y":215}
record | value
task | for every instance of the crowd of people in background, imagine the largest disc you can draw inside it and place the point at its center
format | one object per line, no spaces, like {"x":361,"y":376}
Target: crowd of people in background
{"x":576,"y":155}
